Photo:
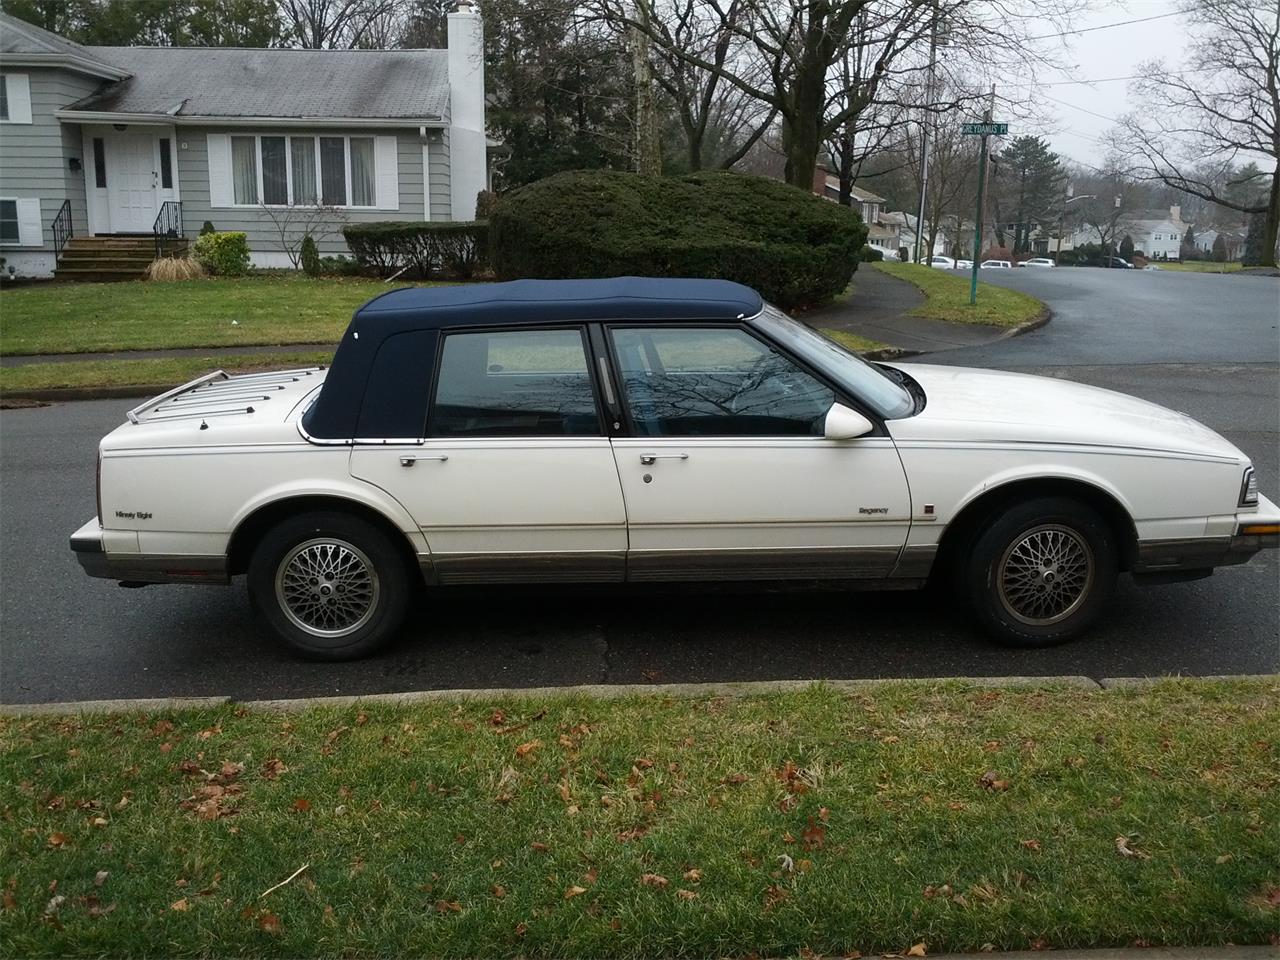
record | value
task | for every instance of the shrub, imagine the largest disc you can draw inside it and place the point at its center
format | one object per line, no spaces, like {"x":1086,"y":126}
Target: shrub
{"x":458,"y":250}
{"x":486,"y":200}
{"x":175,"y":268}
{"x":207,"y":227}
{"x":309,"y":255}
{"x":224,"y":254}
{"x":339,"y":267}
{"x":904,"y":254}
{"x":794,"y":248}
{"x":870,"y":254}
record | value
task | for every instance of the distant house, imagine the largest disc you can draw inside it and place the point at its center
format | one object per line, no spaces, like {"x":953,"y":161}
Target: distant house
{"x":136,"y":141}
{"x":1233,"y":239}
{"x":1156,"y":234}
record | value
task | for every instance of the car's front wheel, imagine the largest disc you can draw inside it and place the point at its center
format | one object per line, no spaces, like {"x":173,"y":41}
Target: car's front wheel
{"x":1041,"y":572}
{"x":332,"y":586}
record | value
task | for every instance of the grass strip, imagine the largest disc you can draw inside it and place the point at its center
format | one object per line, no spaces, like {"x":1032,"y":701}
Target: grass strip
{"x":947,"y":297}
{"x":250,"y":311}
{"x":150,"y":372}
{"x":824,"y":821}
{"x":851,"y":341}
{"x":1200,"y":266}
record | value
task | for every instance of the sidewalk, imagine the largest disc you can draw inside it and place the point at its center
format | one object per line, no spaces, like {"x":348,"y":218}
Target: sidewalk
{"x":878,"y":310}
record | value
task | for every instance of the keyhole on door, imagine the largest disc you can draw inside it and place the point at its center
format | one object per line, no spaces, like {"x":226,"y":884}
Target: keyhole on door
{"x":648,"y":478}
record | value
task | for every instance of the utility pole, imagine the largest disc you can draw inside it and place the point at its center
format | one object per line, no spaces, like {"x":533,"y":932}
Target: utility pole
{"x":924,"y":133}
{"x":982,"y":187}
{"x":1062,"y":219}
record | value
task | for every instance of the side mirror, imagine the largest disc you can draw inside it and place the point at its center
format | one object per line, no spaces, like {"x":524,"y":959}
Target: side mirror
{"x":845,"y":424}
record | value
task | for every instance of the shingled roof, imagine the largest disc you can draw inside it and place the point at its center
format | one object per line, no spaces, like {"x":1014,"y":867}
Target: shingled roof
{"x":26,"y":44}
{"x":228,"y":83}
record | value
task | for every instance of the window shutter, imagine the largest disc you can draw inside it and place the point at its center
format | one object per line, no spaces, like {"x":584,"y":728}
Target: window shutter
{"x":220,"y":170}
{"x":387,"y":166}
{"x":18,"y":93}
{"x":30,"y":229}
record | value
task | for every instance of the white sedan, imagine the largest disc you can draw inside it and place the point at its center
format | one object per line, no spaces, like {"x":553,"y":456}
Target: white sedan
{"x":1038,"y":262}
{"x":943,"y":263}
{"x":645,"y":430}
{"x":996,"y":265}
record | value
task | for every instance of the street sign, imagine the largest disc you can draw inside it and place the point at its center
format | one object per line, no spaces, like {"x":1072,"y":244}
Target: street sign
{"x":985,"y":129}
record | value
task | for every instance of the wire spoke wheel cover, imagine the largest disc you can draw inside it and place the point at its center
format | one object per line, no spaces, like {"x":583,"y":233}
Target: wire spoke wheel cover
{"x":1045,"y":574}
{"x":327,"y":587}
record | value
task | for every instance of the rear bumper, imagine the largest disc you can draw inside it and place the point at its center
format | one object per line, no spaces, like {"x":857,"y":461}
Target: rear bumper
{"x":88,"y":544}
{"x":1203,"y":553}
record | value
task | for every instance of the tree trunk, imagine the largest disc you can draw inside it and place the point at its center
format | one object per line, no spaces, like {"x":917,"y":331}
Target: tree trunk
{"x":1271,"y":226}
{"x":648,"y":156}
{"x":800,"y":144}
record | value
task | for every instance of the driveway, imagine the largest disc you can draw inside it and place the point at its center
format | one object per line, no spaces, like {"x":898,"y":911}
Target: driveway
{"x":1203,"y":344}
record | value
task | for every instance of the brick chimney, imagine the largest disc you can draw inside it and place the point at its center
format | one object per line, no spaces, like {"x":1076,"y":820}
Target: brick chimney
{"x":467,"y":148}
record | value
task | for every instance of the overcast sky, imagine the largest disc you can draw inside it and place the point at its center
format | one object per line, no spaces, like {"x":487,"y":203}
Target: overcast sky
{"x":1098,"y":55}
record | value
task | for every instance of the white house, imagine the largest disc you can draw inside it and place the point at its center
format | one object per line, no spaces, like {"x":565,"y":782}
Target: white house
{"x":155,"y":141}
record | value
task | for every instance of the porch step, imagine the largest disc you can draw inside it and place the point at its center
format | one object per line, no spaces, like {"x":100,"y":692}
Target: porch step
{"x":112,"y":258}
{"x":96,"y":275}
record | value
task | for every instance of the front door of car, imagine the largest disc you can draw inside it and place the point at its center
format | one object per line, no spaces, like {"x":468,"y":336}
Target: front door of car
{"x":727,"y":473}
{"x":515,"y":480}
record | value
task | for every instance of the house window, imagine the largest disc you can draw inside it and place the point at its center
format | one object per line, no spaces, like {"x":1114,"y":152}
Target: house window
{"x":336,"y":171}
{"x":303,"y":161}
{"x":99,"y":163}
{"x":244,"y":170}
{"x":275,"y":172}
{"x":9,"y":221}
{"x":333,"y":171}
{"x":4,"y":97}
{"x":166,"y":164}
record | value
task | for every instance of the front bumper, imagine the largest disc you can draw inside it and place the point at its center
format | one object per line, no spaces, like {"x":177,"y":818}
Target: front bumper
{"x":89,"y":545}
{"x":1204,"y":553}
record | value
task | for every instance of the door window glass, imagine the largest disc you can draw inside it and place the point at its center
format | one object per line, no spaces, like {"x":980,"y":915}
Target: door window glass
{"x":514,"y":383}
{"x":99,"y":162}
{"x":691,"y":382}
{"x":166,"y":164}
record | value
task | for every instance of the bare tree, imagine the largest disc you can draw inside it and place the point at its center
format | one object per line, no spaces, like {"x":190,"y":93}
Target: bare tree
{"x":1222,"y":109}
{"x":334,"y":24}
{"x":294,"y":222}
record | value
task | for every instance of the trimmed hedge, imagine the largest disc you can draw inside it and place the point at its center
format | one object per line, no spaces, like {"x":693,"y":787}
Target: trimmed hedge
{"x":222,"y":254}
{"x":431,"y":249}
{"x":870,"y":254}
{"x":794,"y":248}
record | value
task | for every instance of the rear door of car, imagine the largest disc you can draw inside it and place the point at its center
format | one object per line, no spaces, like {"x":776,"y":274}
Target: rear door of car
{"x":515,"y":478}
{"x":725,"y":469}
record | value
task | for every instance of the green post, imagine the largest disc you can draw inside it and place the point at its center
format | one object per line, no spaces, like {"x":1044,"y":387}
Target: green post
{"x":977,"y":229}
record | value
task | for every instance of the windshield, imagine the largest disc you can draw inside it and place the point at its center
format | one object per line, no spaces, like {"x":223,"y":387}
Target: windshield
{"x":864,"y":380}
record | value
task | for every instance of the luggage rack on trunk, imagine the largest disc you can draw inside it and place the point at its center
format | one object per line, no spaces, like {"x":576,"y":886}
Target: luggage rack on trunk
{"x":218,"y":394}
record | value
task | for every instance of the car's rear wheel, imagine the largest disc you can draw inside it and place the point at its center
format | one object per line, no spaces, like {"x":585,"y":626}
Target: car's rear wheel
{"x":1042,"y":571}
{"x":332,"y":586}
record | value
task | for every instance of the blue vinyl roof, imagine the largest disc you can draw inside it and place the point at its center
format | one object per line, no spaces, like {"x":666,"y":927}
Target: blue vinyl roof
{"x":542,"y":301}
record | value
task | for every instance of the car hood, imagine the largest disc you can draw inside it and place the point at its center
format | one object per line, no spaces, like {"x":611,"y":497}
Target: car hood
{"x":969,"y":404}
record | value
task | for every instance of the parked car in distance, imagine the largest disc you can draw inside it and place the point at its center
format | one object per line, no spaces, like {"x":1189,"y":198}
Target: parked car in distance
{"x":946,"y":263}
{"x":1151,"y":266}
{"x":1038,"y":262}
{"x":634,"y":430}
{"x":996,"y":265}
{"x":1117,"y":263}
{"x":964,"y":264}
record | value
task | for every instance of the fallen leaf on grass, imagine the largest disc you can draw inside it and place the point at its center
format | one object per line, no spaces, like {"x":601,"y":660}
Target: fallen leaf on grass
{"x":498,"y":890}
{"x":574,"y":892}
{"x":991,"y":781}
{"x":1126,"y":850}
{"x":653,"y":880}
{"x":1225,"y":858}
{"x":521,"y":929}
{"x":230,"y":770}
{"x":1030,"y":844}
{"x":273,"y":768}
{"x":693,"y":876}
{"x":527,"y":748}
{"x":302,"y":805}
{"x":58,"y":840}
{"x":814,"y":836}
{"x":448,"y":906}
{"x":181,"y":906}
{"x":270,"y":923}
{"x":774,"y":896}
{"x":687,"y":894}
{"x":919,"y":950}
{"x":539,"y":847}
{"x":54,"y":903}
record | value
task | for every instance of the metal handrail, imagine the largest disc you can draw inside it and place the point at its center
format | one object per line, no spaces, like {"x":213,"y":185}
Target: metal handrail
{"x":168,"y":224}
{"x":62,"y":230}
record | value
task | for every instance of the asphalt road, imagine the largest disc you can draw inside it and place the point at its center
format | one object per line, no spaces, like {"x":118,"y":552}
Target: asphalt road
{"x":1203,"y":344}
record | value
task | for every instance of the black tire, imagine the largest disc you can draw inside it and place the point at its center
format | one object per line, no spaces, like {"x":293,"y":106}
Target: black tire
{"x":1041,"y":572}
{"x":332,"y":586}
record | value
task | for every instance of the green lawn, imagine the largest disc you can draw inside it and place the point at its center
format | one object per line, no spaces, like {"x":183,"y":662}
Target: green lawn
{"x":99,"y":317}
{"x":910,"y":813}
{"x":161,"y":372}
{"x":1200,"y":266}
{"x":851,"y":341}
{"x":947,"y":297}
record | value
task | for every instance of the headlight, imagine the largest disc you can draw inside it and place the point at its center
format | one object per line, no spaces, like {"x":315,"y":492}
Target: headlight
{"x":1249,"y":488}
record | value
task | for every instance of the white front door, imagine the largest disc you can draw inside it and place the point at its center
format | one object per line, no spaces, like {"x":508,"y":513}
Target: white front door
{"x":133,"y":174}
{"x":727,"y":472}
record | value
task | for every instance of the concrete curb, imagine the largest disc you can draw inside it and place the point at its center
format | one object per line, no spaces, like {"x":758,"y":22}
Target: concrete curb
{"x":65,"y":394}
{"x":1041,"y":319}
{"x":1128,"y":953}
{"x":599,"y":691}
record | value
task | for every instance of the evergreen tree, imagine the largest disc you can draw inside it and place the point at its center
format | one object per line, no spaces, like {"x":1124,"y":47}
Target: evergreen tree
{"x":1126,"y":248}
{"x":1187,"y":250}
{"x":1220,"y":248}
{"x":1030,"y":188}
{"x":1253,"y":241}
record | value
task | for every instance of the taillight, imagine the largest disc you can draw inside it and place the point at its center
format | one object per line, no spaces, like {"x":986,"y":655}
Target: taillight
{"x":97,"y":493}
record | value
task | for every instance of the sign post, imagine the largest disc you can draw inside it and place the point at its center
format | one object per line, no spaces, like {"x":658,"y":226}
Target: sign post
{"x":985,"y":129}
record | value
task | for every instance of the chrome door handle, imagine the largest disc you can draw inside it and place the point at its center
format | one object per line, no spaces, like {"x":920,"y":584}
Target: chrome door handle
{"x":409,"y":461}
{"x":648,"y":459}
